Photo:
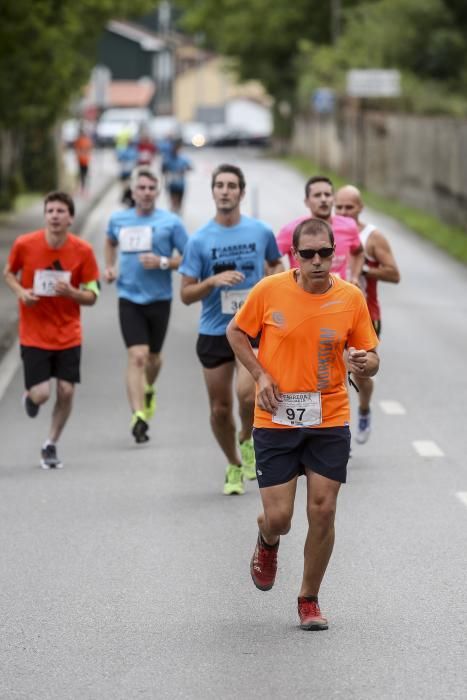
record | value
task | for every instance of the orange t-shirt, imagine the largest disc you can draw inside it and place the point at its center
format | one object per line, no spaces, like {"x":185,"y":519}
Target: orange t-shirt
{"x":83,"y":148}
{"x":303,"y":337}
{"x":53,"y":323}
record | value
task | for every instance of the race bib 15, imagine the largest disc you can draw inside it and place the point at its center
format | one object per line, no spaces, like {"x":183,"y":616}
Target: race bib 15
{"x":45,"y":281}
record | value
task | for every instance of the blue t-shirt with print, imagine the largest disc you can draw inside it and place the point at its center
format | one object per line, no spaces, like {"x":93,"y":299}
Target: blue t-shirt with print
{"x":167,"y":233}
{"x":215,"y":248}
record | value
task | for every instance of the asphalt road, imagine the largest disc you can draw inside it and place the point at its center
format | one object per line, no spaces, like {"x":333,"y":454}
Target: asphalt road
{"x":126,"y":574}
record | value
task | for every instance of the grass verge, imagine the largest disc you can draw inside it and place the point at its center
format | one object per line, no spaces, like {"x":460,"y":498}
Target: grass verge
{"x":452,"y":239}
{"x":23,"y":201}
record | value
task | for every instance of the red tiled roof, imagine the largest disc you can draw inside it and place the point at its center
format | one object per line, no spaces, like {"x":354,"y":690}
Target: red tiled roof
{"x":127,"y":93}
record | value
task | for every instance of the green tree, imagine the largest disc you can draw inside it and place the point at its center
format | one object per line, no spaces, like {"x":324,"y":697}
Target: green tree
{"x":263,"y":37}
{"x":47,"y":48}
{"x":422,"y":38}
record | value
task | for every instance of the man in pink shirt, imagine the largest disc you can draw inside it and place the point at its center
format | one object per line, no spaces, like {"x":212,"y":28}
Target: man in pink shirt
{"x":319,"y":199}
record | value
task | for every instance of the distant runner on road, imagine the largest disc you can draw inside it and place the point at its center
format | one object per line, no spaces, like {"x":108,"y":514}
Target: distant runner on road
{"x":221,"y":263}
{"x":174,"y":169}
{"x":53,"y":273}
{"x":319,"y":199}
{"x":306,"y":317}
{"x":83,"y":151}
{"x":145,"y":238}
{"x":380,"y":266}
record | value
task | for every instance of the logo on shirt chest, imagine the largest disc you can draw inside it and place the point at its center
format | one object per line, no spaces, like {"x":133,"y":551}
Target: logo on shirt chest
{"x":278,"y":318}
{"x":232,"y":250}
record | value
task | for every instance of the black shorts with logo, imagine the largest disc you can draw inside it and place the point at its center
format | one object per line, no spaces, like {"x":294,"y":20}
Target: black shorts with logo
{"x":214,"y":350}
{"x":40,"y":365}
{"x":283,"y":454}
{"x":144,"y":324}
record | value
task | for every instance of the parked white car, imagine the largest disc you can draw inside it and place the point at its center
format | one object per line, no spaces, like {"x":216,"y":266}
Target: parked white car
{"x":123,"y":119}
{"x":164,"y":126}
{"x":70,"y":130}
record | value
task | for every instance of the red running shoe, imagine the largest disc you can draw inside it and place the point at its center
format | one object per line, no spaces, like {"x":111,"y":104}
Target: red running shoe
{"x":310,"y":615}
{"x":263,"y":565}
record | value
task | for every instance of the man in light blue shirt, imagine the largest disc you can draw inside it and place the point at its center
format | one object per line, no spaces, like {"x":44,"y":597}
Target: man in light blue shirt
{"x":146,"y":238}
{"x":174,"y":168}
{"x":221,"y":263}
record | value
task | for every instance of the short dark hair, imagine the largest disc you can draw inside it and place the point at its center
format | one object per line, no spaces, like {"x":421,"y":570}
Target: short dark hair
{"x":59,"y":196}
{"x":316,"y":178}
{"x":227,"y":168}
{"x":142,"y":171}
{"x":313,"y":227}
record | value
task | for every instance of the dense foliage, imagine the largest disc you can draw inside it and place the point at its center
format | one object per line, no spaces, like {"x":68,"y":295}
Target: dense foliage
{"x":292,"y":48}
{"x":47,"y":48}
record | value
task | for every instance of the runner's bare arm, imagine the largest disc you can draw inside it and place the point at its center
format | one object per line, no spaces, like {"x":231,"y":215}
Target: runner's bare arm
{"x":364,"y":363}
{"x":83,"y":297}
{"x":26,"y":296}
{"x":272,"y":268}
{"x":151,"y":261}
{"x":193,"y":290}
{"x":110,"y":257}
{"x":268,"y":394}
{"x":356,"y":260}
{"x":379,"y":249}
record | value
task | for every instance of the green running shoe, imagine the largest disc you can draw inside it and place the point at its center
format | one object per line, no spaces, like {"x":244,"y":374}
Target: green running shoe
{"x":149,"y":402}
{"x":247,"y":451}
{"x":234,"y":480}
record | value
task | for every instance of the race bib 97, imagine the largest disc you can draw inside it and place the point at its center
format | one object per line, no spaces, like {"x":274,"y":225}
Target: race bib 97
{"x":302,"y":409}
{"x":45,"y":281}
{"x":135,"y":239}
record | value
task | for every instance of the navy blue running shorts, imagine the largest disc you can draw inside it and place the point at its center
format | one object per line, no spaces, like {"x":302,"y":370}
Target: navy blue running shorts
{"x":283,"y":454}
{"x":40,"y":365}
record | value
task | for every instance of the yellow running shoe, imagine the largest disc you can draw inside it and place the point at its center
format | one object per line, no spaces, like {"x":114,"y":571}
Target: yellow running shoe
{"x":234,"y":480}
{"x":149,"y":402}
{"x":247,"y":451}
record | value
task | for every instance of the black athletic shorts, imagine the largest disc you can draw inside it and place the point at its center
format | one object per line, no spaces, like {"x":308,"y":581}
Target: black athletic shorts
{"x":214,"y":350}
{"x":40,"y":365}
{"x":282,"y":454}
{"x":377,"y":326}
{"x":144,"y":324}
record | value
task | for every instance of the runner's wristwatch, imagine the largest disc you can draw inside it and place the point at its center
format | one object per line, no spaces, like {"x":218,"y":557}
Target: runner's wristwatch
{"x":164,"y":263}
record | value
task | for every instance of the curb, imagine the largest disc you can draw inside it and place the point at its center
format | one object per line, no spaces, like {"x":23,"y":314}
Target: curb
{"x":80,"y":219}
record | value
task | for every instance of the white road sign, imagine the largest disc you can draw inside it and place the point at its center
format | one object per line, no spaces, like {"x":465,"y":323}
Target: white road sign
{"x":373,"y":83}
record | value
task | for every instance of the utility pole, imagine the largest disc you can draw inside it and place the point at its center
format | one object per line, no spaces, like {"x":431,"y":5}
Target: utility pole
{"x":335,"y":20}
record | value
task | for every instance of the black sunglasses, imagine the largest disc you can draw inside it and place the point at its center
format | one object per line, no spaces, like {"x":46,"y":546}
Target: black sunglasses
{"x":309,"y":253}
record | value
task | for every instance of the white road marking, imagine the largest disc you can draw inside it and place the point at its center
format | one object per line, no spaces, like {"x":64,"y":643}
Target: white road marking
{"x":427,"y":448}
{"x":392,"y":408}
{"x":462,"y":496}
{"x":8,"y":368}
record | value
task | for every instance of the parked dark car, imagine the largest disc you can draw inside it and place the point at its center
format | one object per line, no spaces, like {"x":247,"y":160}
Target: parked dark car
{"x":240,"y":137}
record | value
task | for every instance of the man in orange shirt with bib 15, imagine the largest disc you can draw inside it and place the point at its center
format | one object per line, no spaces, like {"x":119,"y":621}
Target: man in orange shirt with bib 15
{"x":53,"y":273}
{"x":306,"y":317}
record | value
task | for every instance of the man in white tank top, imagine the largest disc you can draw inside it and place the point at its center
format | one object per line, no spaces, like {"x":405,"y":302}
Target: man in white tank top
{"x":379,"y":265}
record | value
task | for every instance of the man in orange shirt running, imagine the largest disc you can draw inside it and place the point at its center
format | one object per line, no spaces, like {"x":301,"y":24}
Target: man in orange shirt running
{"x":306,"y":318}
{"x":83,"y":150}
{"x":53,"y":273}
